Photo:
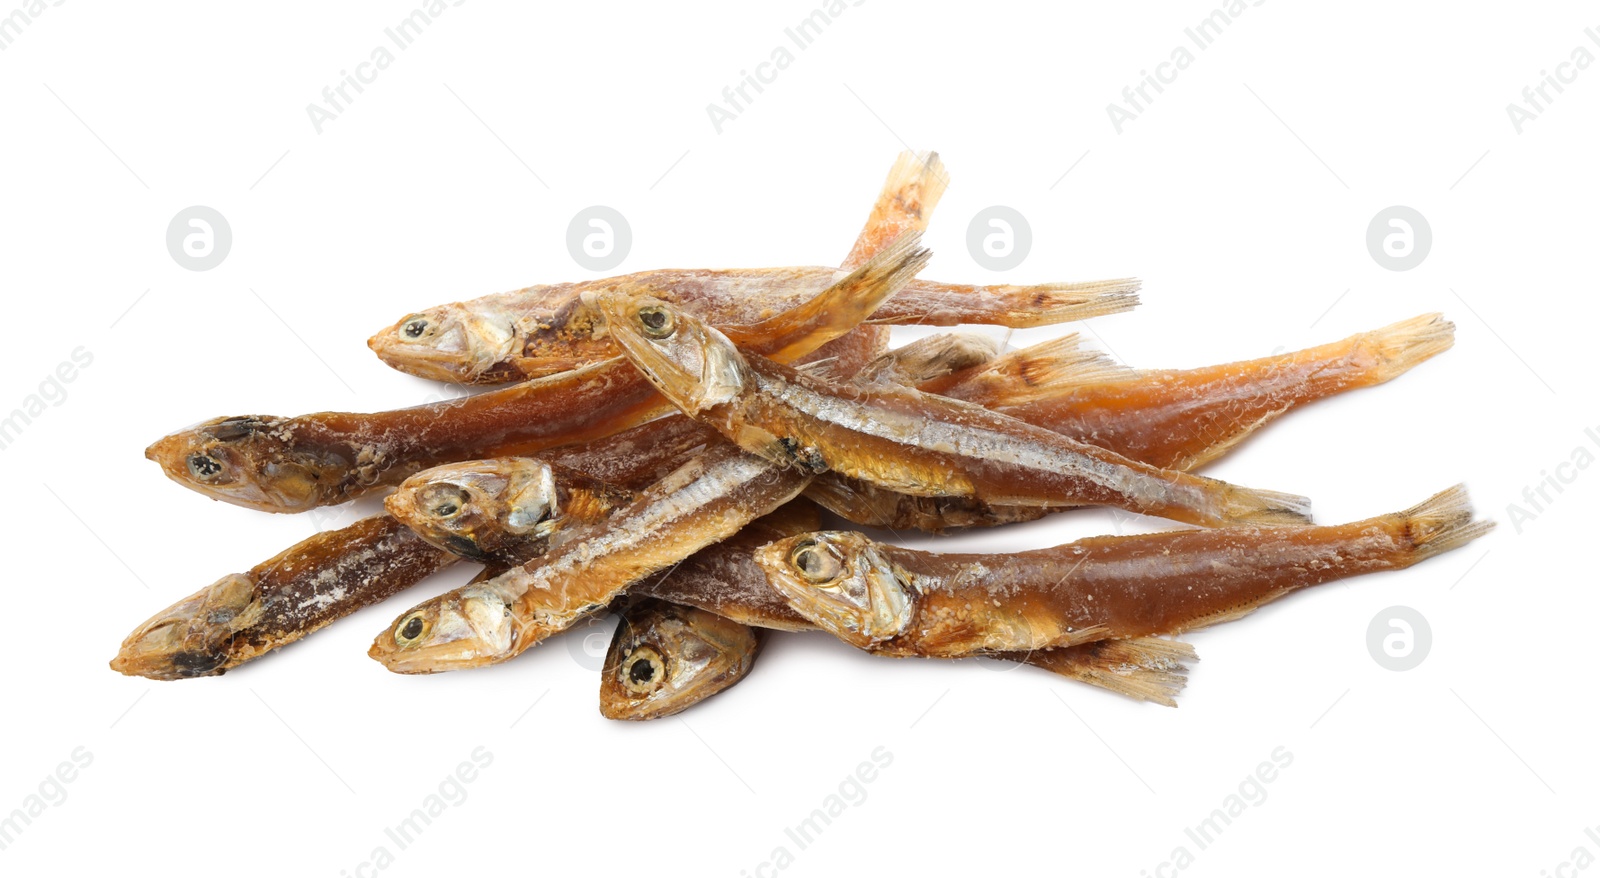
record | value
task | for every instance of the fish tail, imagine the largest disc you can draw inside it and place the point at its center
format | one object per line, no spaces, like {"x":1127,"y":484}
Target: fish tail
{"x":1064,"y":302}
{"x":1401,"y":346}
{"x":841,"y":307}
{"x":886,"y":273}
{"x":1440,"y":523}
{"x":913,"y":188}
{"x":1150,"y":669}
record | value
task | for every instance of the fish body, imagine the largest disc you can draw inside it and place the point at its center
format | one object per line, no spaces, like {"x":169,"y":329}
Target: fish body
{"x":899,"y":601}
{"x":1185,"y":418}
{"x":903,"y":439}
{"x":245,"y":615}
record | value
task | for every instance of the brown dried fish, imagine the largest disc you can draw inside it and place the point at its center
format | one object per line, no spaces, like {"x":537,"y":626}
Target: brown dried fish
{"x":904,"y":439}
{"x":897,"y":601}
{"x":244,"y":615}
{"x":541,"y":330}
{"x":1174,"y":418}
{"x":294,"y":464}
{"x":705,"y":501}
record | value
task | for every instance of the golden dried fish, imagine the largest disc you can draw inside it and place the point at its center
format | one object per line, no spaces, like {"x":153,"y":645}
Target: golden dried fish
{"x":244,"y":615}
{"x":1184,"y":418}
{"x":638,"y":456}
{"x":1175,"y":418}
{"x":706,"y":500}
{"x":899,"y":601}
{"x":332,"y":574}
{"x":541,"y":330}
{"x":902,"y":438}
{"x":294,"y":464}
{"x":723,"y":586}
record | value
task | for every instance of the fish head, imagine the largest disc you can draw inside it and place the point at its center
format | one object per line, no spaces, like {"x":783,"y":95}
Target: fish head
{"x":247,"y":461}
{"x":668,"y":657}
{"x":479,"y":508}
{"x":456,"y":342}
{"x":842,"y":582}
{"x":466,"y":628}
{"x":190,"y":638}
{"x":692,"y":364}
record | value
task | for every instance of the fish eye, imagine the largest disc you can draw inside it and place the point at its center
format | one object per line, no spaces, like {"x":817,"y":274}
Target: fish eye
{"x":414,"y":328}
{"x":643,"y":671}
{"x":657,"y":321}
{"x":815,"y":562}
{"x":204,"y":466}
{"x":444,"y":501}
{"x":410,"y":630}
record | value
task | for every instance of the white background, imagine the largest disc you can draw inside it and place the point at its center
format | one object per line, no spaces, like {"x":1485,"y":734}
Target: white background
{"x":1245,"y":213}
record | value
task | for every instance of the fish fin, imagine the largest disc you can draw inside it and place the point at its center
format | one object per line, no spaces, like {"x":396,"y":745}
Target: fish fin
{"x":1253,"y":506}
{"x":1442,"y":522}
{"x":1150,"y":669}
{"x":1039,"y":372}
{"x":1226,"y":444}
{"x":912,"y":190}
{"x":1400,"y":346}
{"x":930,"y":358}
{"x":842,"y":306}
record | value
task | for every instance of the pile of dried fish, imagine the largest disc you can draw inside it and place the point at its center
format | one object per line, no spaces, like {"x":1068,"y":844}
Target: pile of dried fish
{"x":664,"y":441}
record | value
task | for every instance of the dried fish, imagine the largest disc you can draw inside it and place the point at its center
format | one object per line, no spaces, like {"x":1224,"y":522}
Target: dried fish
{"x":723,"y":588}
{"x":898,"y":601}
{"x":1185,"y":418}
{"x":244,"y":615}
{"x":904,"y":439}
{"x":294,"y":464}
{"x":705,"y":501}
{"x":545,"y":329}
{"x":1174,"y":418}
{"x":638,"y":456}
